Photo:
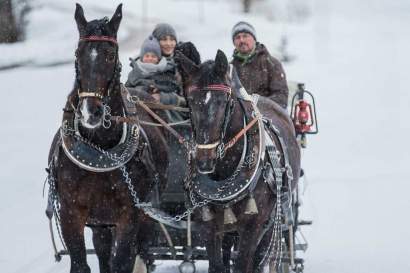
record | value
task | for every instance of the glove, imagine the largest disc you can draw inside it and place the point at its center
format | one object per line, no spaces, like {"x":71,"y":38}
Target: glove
{"x":152,"y":89}
{"x":190,"y":51}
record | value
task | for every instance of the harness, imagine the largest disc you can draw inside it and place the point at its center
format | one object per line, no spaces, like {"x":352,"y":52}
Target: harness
{"x":249,"y":168}
{"x":78,"y":149}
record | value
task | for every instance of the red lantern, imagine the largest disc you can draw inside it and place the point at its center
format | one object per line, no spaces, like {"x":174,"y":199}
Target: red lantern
{"x":303,"y":114}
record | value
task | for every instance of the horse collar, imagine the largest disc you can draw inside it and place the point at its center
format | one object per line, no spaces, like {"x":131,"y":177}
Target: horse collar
{"x":245,"y":175}
{"x":90,"y":157}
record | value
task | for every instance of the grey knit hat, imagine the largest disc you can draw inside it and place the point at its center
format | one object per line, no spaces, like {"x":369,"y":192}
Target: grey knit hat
{"x":164,"y":29}
{"x":151,"y":45}
{"x":243,"y":27}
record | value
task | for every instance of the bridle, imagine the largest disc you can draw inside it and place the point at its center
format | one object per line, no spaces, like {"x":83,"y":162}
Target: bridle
{"x":111,"y":84}
{"x":117,"y":68}
{"x":219,"y":144}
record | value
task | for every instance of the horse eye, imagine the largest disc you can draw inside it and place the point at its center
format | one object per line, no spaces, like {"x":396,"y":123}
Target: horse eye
{"x":110,"y":57}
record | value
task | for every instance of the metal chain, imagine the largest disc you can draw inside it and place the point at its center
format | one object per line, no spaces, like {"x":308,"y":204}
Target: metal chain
{"x":145,"y":206}
{"x":248,"y":161}
{"x":106,"y":116}
{"x":275,"y":244}
{"x":220,"y":151}
{"x":53,"y":196}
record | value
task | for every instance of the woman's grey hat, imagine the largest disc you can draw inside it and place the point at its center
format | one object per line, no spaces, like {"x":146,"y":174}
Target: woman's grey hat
{"x":164,"y":29}
{"x":151,"y":44}
{"x":243,"y":27}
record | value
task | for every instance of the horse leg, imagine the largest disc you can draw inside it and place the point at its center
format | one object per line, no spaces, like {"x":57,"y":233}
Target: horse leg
{"x":145,"y":238}
{"x":72,"y":228}
{"x":262,"y":251}
{"x":227,"y":244}
{"x":124,"y":254}
{"x":247,"y":247}
{"x":102,"y":240}
{"x":213,"y":244}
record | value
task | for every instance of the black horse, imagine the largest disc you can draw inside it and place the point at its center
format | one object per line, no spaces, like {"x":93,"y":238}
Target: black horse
{"x":102,"y":160}
{"x":239,"y":179}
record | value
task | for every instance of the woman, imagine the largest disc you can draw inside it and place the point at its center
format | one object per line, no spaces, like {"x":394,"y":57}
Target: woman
{"x":168,"y":41}
{"x":167,"y":38}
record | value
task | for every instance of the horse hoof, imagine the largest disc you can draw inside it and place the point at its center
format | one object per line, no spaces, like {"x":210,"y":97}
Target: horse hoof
{"x":139,"y":266}
{"x":187,"y":267}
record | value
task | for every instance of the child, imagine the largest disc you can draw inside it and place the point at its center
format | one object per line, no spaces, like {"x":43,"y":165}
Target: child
{"x":155,"y":75}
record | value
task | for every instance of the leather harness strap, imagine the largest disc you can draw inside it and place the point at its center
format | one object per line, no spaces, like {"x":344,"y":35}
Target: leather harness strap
{"x":235,"y":139}
{"x":208,"y":146}
{"x":89,"y":94}
{"x":96,"y":38}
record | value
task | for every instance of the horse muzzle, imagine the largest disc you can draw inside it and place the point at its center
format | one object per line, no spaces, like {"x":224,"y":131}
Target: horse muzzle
{"x":206,"y":167}
{"x":91,"y":112}
{"x":206,"y":156}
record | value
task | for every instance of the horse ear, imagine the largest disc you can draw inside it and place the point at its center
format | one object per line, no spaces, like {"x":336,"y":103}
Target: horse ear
{"x":116,"y":19}
{"x":186,"y":65}
{"x":221,"y":63}
{"x":80,"y":19}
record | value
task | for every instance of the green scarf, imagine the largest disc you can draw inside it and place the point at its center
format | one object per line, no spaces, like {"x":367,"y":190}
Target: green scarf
{"x":244,"y":58}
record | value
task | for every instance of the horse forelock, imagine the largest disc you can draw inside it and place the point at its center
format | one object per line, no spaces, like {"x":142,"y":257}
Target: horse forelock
{"x":99,"y":27}
{"x":207,"y":75}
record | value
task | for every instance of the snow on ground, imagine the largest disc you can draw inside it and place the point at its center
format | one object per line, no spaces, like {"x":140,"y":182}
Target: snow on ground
{"x":352,"y":54}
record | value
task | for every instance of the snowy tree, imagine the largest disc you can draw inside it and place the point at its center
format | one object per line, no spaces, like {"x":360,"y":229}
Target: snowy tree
{"x":12,"y":20}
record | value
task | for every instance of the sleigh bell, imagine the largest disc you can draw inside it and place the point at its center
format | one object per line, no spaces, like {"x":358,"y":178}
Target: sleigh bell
{"x":251,"y":208}
{"x":207,"y":214}
{"x":229,"y":216}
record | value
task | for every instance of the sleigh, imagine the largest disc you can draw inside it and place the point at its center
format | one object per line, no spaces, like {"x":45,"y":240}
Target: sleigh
{"x":178,"y":238}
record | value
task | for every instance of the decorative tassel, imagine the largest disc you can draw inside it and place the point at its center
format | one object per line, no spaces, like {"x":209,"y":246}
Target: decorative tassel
{"x":207,"y":214}
{"x":229,"y":216}
{"x":251,"y":208}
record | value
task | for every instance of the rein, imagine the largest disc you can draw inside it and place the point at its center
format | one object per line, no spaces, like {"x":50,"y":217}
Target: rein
{"x":180,"y":138}
{"x":160,"y":106}
{"x":235,"y":139}
{"x":232,"y":141}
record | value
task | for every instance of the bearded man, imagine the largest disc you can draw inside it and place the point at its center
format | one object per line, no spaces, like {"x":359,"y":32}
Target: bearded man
{"x":258,"y":71}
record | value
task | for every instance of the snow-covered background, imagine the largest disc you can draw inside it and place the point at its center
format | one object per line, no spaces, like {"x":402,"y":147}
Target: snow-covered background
{"x":352,"y":54}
